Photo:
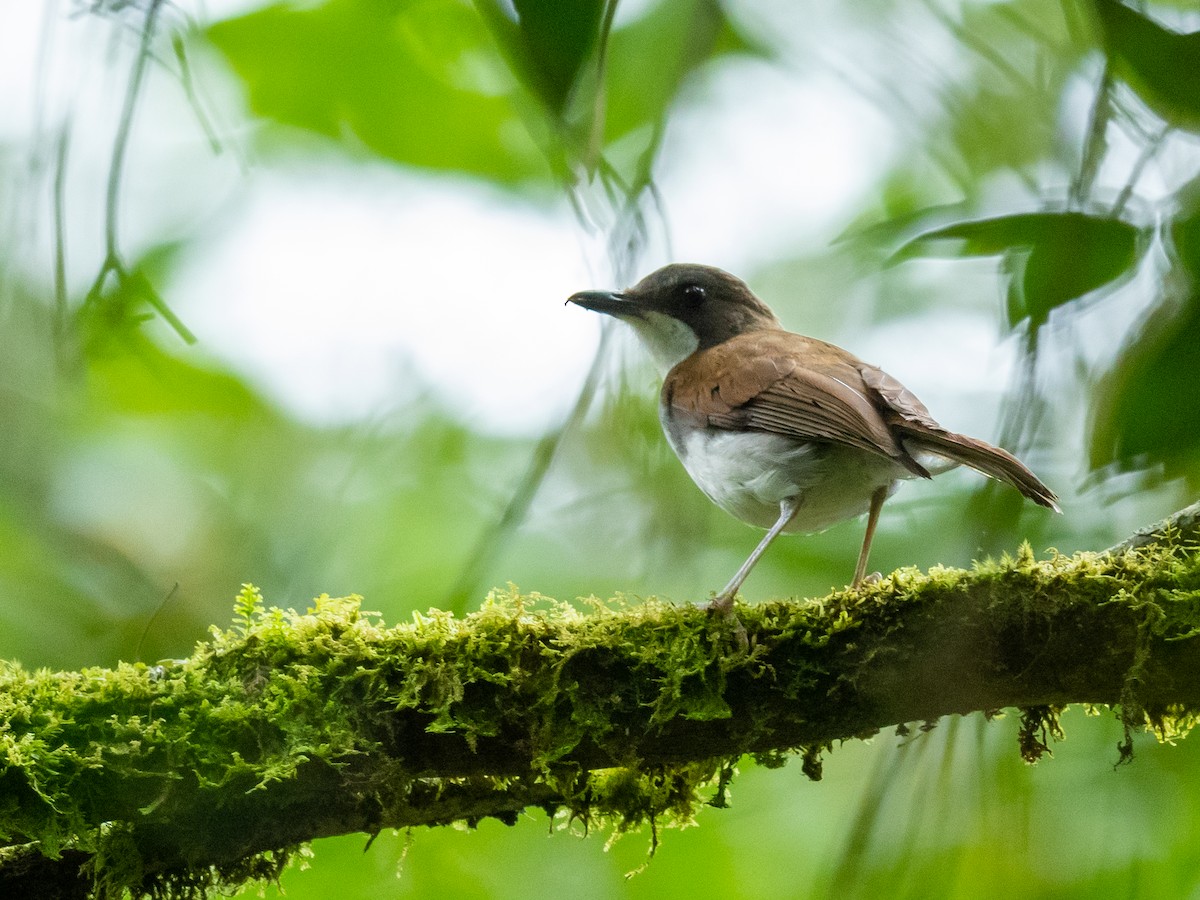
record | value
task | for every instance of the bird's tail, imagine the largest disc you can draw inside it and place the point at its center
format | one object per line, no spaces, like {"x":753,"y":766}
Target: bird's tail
{"x":981,"y":456}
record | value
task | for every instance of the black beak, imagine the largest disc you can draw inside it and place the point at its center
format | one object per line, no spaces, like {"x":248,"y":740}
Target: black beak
{"x":612,"y":303}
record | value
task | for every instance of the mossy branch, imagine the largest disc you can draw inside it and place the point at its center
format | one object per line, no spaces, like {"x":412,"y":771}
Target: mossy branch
{"x":167,"y":780}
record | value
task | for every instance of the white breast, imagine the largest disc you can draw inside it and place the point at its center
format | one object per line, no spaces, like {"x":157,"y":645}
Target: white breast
{"x":748,"y":474}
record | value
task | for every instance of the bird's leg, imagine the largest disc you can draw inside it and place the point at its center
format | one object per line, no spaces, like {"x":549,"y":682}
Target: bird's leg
{"x":872,"y":520}
{"x":723,"y":602}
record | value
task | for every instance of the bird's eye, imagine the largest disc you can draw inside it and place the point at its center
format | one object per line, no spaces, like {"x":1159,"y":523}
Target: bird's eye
{"x":693,"y":292}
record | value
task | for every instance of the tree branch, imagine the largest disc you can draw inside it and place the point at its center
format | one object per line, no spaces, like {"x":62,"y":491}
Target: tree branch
{"x":209,"y":771}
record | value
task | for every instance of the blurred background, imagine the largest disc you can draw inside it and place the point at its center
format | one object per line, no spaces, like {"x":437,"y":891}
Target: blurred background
{"x":281,"y":301}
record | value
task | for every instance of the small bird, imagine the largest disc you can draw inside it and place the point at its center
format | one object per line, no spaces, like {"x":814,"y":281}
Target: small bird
{"x":783,"y":431}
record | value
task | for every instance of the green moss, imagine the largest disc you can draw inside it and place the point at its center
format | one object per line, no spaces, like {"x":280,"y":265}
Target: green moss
{"x":601,"y":716}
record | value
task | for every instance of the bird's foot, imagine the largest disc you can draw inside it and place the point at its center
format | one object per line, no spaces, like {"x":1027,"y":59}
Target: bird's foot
{"x":722,"y":605}
{"x":873,"y":578}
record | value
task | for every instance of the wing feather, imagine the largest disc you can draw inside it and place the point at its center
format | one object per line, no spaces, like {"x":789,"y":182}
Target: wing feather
{"x":910,"y":419}
{"x":786,"y":384}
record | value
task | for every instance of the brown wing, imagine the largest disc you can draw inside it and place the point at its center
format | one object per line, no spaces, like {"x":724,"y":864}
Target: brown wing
{"x":910,"y":420}
{"x":788,"y":384}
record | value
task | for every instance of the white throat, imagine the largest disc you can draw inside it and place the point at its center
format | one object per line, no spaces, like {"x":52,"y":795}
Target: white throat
{"x":669,"y":341}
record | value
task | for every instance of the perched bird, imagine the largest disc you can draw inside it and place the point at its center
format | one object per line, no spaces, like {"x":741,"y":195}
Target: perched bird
{"x":783,"y":431}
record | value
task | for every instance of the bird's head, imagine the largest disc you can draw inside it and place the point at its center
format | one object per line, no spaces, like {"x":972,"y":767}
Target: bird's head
{"x":682,"y":308}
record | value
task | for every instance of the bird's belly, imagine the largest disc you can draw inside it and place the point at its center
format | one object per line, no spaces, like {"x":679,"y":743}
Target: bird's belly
{"x":748,"y":474}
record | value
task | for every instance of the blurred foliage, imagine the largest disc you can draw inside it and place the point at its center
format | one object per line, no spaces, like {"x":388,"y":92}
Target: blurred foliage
{"x":422,"y":82}
{"x":1055,"y":260}
{"x":1160,"y":65}
{"x":141,"y":482}
{"x":1052,"y":258}
{"x":549,"y":43}
{"x":1146,"y":414}
{"x":414,"y":82}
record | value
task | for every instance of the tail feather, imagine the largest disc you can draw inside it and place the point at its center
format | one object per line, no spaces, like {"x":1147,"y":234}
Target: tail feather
{"x":981,"y":456}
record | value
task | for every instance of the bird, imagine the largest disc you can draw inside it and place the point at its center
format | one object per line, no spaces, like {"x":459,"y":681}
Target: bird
{"x":784,"y":432}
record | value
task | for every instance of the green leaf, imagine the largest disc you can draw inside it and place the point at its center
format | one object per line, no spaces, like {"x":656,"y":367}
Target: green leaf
{"x":1184,"y":231}
{"x":1146,"y":415}
{"x":548,"y":42}
{"x":1052,"y":258}
{"x":652,"y":57}
{"x":417,"y":82}
{"x":1145,"y":409}
{"x":140,"y":379}
{"x":1161,"y":66}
